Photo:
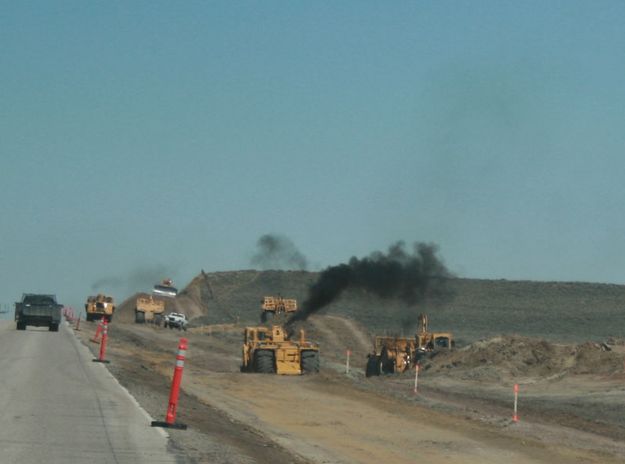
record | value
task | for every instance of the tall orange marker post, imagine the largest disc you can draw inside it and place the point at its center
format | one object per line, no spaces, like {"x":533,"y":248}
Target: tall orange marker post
{"x":515,"y":416}
{"x":98,"y":329}
{"x":103,"y":344}
{"x":170,"y":418}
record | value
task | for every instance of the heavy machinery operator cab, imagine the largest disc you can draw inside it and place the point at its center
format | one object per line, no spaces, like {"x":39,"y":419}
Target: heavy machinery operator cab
{"x":278,"y":333}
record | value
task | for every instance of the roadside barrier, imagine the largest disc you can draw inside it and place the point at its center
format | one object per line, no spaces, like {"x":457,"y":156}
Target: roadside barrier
{"x":349,"y":353}
{"x":98,"y":330}
{"x":170,"y":418}
{"x":515,"y":416}
{"x":103,"y":344}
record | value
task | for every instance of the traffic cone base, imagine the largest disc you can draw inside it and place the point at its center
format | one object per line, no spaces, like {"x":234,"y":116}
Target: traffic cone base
{"x":167,"y":425}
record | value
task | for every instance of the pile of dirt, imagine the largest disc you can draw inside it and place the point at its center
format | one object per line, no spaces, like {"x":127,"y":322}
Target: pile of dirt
{"x":504,"y":358}
{"x":597,"y":358}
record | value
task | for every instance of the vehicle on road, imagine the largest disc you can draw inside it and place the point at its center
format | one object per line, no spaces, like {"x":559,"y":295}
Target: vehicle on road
{"x":38,"y":310}
{"x":176,"y":321}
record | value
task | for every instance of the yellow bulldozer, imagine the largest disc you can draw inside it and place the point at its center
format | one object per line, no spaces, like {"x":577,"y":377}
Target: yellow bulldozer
{"x":273,"y":306}
{"x":149,"y":309}
{"x":399,"y":354}
{"x":99,"y":306}
{"x":268,"y":350}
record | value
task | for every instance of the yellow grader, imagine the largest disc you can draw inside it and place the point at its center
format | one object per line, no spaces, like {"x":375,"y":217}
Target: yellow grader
{"x":273,"y":306}
{"x":149,"y":309}
{"x":399,"y":354}
{"x":99,"y":306}
{"x":270,"y":351}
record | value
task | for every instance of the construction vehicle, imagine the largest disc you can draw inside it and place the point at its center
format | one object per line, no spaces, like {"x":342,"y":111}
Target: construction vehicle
{"x":273,"y":306}
{"x":149,"y":309}
{"x":165,"y":288}
{"x":399,"y":354}
{"x":99,"y":306}
{"x":269,"y":351}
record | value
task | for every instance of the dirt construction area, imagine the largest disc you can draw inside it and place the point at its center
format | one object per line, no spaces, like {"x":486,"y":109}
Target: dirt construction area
{"x":571,"y":399}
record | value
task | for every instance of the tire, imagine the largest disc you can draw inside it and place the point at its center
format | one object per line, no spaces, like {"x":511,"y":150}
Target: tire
{"x":109,"y":318}
{"x":310,"y":362}
{"x":21,"y":326}
{"x":89,"y":317}
{"x":53,"y":328}
{"x":139,"y":317}
{"x":387,"y":364}
{"x":264,"y":362}
{"x":373,"y":366}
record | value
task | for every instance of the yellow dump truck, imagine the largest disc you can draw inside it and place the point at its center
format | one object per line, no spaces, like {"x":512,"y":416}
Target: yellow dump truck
{"x":269,"y":351}
{"x":149,"y":309}
{"x":99,"y":306}
{"x":272,"y":306}
{"x":399,"y":354}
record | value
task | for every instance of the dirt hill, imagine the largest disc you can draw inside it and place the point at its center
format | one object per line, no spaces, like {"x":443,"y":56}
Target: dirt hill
{"x":559,"y":311}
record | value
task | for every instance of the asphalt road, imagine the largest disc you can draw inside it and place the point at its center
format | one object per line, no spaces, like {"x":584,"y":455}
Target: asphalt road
{"x":57,"y":406}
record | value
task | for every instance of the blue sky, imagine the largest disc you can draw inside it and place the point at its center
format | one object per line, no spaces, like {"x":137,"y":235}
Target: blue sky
{"x":146,"y":138}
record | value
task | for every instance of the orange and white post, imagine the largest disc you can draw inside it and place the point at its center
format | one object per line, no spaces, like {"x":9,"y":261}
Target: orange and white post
{"x":515,"y":416}
{"x":96,"y":337}
{"x":348,"y":354}
{"x":170,"y":417}
{"x":416,"y":377}
{"x":103,"y":344}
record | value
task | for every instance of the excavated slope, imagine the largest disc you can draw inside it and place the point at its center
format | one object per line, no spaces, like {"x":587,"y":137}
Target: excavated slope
{"x":558,"y":311}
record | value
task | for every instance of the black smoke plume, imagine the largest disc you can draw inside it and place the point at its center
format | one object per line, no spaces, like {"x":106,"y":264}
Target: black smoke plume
{"x":278,"y":252}
{"x":139,"y":279}
{"x":398,"y":274}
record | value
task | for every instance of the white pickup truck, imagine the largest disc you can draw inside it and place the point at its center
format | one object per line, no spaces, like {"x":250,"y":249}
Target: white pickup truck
{"x":176,"y":320}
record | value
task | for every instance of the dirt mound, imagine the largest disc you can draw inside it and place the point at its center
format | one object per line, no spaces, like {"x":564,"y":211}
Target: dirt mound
{"x":597,"y":358}
{"x":512,"y":357}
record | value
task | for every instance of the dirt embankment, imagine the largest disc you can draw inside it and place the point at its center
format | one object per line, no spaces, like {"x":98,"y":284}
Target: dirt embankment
{"x":571,"y":312}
